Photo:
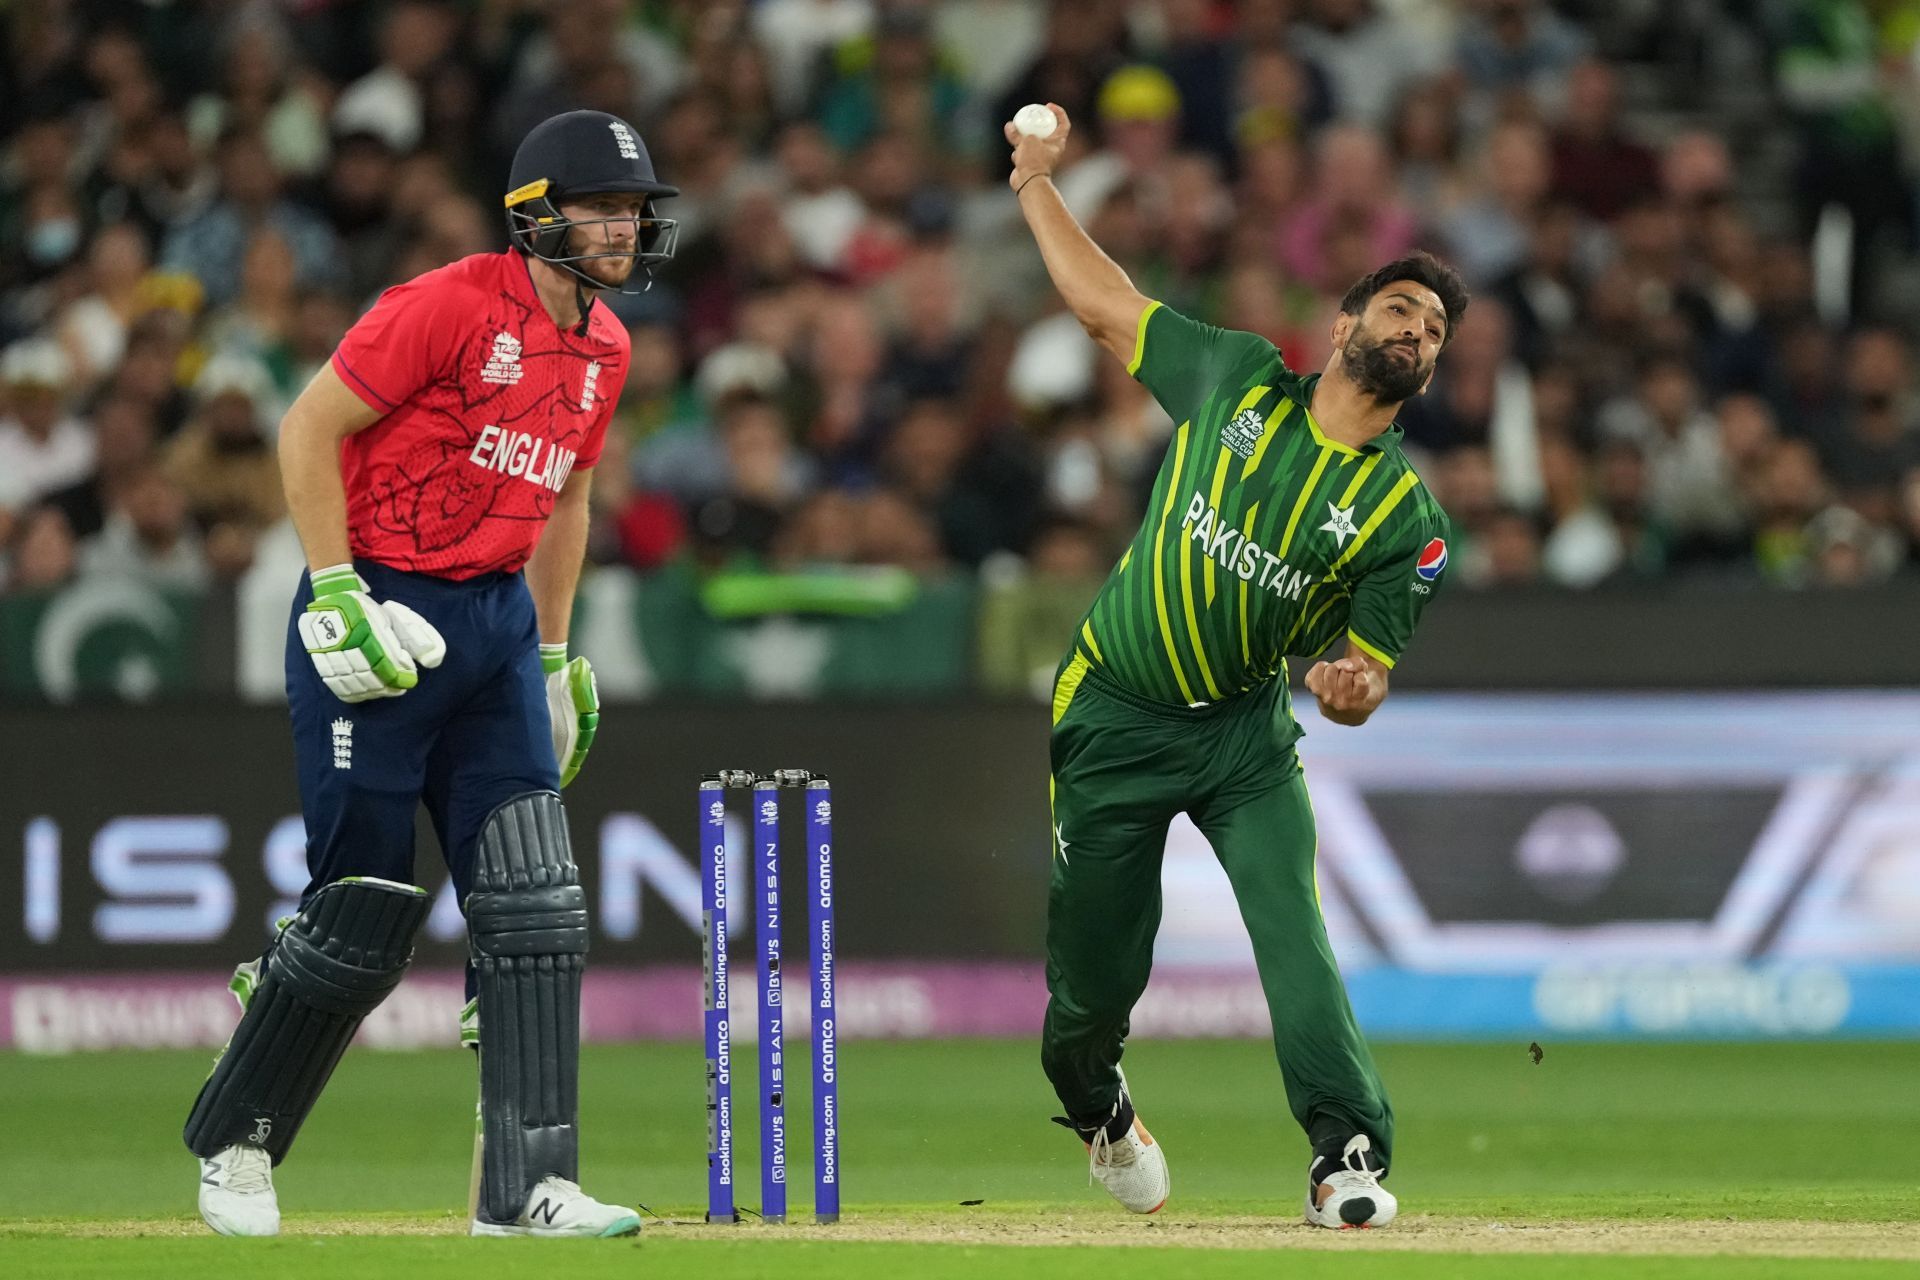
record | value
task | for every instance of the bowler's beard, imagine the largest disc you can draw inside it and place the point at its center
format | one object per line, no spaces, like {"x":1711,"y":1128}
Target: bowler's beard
{"x":1382,"y":369}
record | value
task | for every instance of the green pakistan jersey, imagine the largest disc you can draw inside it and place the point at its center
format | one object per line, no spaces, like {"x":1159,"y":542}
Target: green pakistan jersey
{"x":1264,"y":539}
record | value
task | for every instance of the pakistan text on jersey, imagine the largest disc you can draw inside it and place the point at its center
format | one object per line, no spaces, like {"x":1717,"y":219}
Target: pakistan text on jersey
{"x":1231,"y":549}
{"x":521,"y":453}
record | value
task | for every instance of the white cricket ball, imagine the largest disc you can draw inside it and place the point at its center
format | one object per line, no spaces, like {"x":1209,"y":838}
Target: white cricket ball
{"x":1035,"y":121}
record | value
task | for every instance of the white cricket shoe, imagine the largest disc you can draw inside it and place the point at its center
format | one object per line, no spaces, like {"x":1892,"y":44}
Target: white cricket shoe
{"x":1351,"y":1196}
{"x":556,"y":1207}
{"x":236,"y":1192}
{"x":1133,"y":1169}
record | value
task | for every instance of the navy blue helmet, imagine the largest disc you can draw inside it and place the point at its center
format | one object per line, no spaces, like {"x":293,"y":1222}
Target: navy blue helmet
{"x":577,"y":154}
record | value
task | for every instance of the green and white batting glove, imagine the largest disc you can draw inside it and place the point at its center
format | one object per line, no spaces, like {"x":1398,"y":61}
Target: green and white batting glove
{"x":361,"y":647}
{"x":573,"y":700}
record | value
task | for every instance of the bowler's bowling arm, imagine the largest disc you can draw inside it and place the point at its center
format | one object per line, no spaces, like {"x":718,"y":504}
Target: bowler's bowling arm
{"x":1094,"y":287}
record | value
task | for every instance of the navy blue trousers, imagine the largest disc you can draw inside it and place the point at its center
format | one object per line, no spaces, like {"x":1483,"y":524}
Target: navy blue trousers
{"x":470,"y":736}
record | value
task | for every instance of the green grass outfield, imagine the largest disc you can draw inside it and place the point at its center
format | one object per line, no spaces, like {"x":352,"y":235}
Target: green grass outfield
{"x":1602,"y":1161}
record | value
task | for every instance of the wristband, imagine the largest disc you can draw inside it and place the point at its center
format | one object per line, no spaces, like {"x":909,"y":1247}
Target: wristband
{"x":334,"y":579}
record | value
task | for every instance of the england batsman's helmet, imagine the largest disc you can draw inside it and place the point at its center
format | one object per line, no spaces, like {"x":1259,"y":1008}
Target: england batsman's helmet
{"x":577,"y":154}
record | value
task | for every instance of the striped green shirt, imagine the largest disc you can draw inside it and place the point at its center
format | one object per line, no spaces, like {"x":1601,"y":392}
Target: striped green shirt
{"x":1264,"y":539}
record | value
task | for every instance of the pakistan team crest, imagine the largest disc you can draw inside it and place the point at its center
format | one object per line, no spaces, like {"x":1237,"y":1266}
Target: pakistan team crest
{"x":1243,"y":433}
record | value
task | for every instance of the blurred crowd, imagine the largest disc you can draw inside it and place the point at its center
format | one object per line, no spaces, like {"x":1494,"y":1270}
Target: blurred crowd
{"x":1679,"y":362}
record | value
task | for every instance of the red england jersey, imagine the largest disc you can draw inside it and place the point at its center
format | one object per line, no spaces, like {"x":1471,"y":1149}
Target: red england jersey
{"x":489,"y":408}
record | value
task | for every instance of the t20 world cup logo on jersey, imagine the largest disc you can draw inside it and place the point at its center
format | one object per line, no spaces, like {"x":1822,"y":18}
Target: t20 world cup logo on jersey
{"x":1243,"y":433}
{"x":503,"y":363}
{"x":1433,"y":559}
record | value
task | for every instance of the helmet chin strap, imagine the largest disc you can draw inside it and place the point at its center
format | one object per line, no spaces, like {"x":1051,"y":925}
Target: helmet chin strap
{"x":582,"y":301}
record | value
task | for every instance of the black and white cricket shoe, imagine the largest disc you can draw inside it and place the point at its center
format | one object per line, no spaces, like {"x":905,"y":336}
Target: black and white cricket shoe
{"x":1348,"y":1195}
{"x":557,"y":1207}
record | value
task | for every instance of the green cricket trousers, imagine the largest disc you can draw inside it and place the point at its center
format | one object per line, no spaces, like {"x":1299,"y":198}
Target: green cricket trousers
{"x":1123,"y":767}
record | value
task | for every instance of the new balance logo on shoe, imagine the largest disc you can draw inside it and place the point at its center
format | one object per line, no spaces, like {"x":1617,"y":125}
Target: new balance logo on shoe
{"x":546,"y":1210}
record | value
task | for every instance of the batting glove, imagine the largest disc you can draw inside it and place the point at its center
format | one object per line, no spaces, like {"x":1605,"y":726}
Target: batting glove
{"x":573,"y":702}
{"x":363,"y":648}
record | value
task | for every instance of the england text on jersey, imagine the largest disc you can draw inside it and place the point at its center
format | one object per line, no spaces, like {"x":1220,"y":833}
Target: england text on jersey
{"x":523,"y":454}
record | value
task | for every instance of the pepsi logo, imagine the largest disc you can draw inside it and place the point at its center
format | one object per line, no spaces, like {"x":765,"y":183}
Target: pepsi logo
{"x":1433,"y":559}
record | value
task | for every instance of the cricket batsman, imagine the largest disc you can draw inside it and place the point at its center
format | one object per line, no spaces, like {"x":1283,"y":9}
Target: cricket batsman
{"x":437,"y":470}
{"x":1284,"y":517}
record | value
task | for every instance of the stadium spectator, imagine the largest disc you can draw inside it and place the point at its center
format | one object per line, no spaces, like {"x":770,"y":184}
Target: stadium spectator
{"x":1791,"y":493}
{"x":1829,"y":77}
{"x":799,"y":36}
{"x":1596,"y":166}
{"x":211,"y":246}
{"x":123,"y":446}
{"x":1370,"y":53}
{"x":44,"y":553}
{"x":42,"y":446}
{"x":1353,"y":189}
{"x":763,"y":477}
{"x":1878,"y":438}
{"x":359,"y":203}
{"x":1139,"y":112}
{"x":1692,"y":488}
{"x":258,"y":324}
{"x":820,"y":210}
{"x":1623,"y":482}
{"x":148,"y":372}
{"x":390,"y":101}
{"x":893,"y":531}
{"x":846,"y":406}
{"x":93,"y":327}
{"x":823,"y":532}
{"x":1519,"y":47}
{"x":1085,"y":44}
{"x":263,"y":91}
{"x":1748,"y":436}
{"x":1276,"y":93}
{"x":894,"y":81}
{"x":1510,"y":547}
{"x":1582,"y":546}
{"x":224,"y":464}
{"x":1487,"y":234}
{"x":658,"y":400}
{"x":630,"y":526}
{"x":932,"y":309}
{"x":148,"y":536}
{"x":1542,"y":294}
{"x":1219,"y":79}
{"x":1426,"y":137}
{"x":991,"y":41}
{"x":734,"y":73}
{"x":1848,"y":550}
{"x":154,"y":176}
{"x":979,"y":494}
{"x":1028,"y":603}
